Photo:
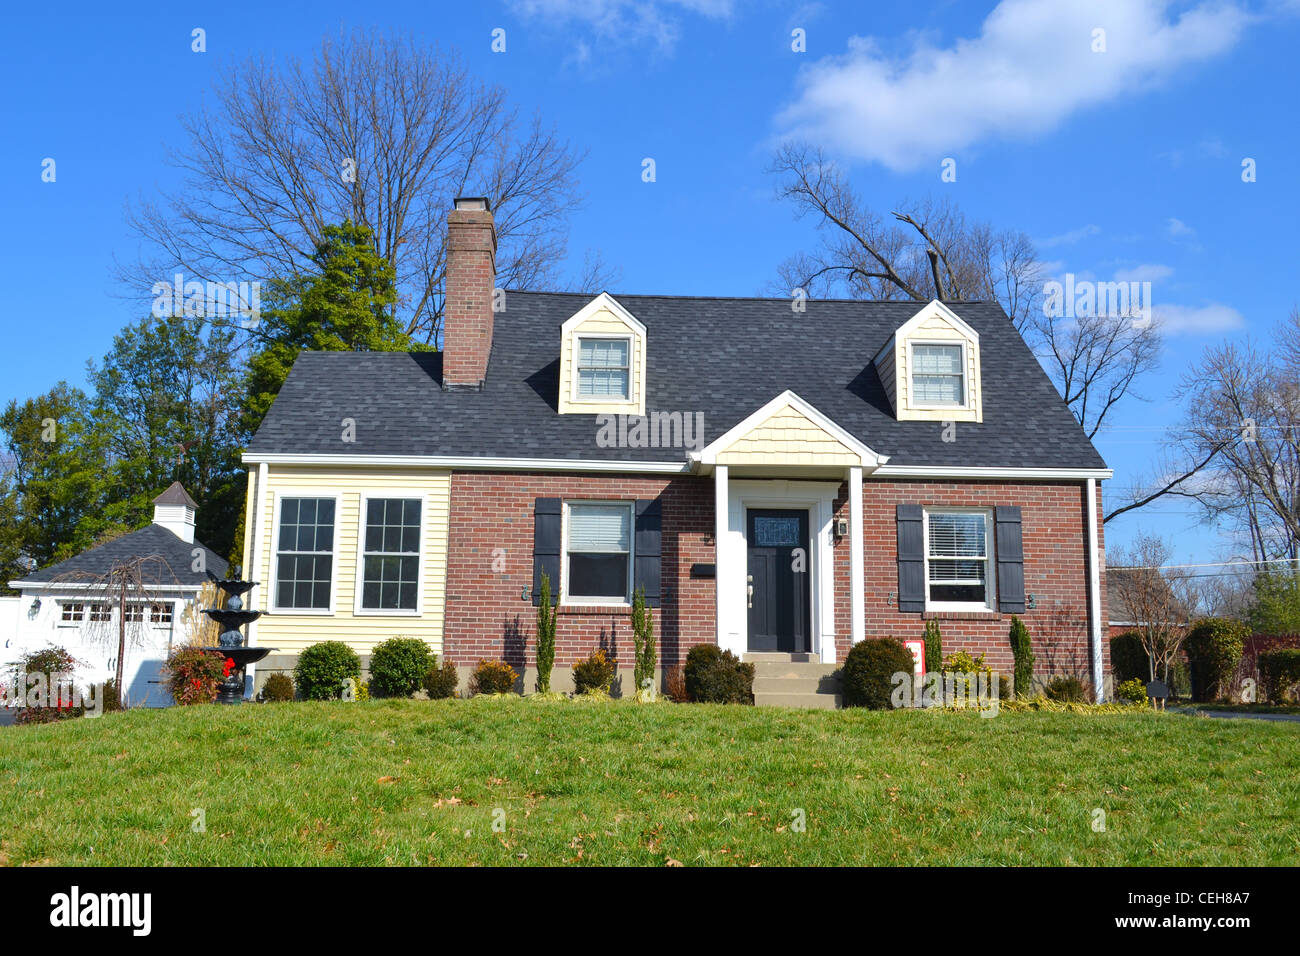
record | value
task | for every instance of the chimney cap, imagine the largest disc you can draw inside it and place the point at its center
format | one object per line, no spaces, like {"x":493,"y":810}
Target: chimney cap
{"x":175,"y":495}
{"x":473,"y":202}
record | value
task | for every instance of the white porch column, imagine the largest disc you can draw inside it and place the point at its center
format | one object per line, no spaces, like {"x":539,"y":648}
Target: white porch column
{"x":857,"y":580}
{"x":1094,"y":592}
{"x":721,"y":509}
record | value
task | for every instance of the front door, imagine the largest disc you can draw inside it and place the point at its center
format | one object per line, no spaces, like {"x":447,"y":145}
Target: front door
{"x":777,"y":589}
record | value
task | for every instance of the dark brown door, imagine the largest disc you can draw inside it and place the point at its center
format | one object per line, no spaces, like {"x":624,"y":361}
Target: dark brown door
{"x":777,"y":585}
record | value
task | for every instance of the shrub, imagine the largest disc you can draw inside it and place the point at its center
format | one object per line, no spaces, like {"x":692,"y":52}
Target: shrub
{"x":1128,"y":658}
{"x":112,"y":700}
{"x":398,"y":666}
{"x":1279,"y":671}
{"x":715,"y":676}
{"x":545,"y":636}
{"x":492,"y":677}
{"x":675,"y":684}
{"x":441,"y":682}
{"x":1214,"y":647}
{"x":643,"y":637}
{"x":278,"y":688}
{"x":323,"y":667}
{"x":1067,"y":690}
{"x":193,"y":674}
{"x":869,"y":669}
{"x":933,"y":648}
{"x":1132,"y":691}
{"x":1023,"y":653}
{"x":594,"y":673}
{"x":58,"y":667}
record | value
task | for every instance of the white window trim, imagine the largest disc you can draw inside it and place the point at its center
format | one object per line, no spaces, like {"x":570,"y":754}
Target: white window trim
{"x":565,"y":599}
{"x":60,"y":622}
{"x":966,"y":404}
{"x":359,"y":582}
{"x":990,"y":602}
{"x":630,"y":398}
{"x":273,"y":597}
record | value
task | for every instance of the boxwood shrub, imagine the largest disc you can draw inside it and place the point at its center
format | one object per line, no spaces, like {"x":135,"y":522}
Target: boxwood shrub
{"x":715,"y":676}
{"x":323,"y":667}
{"x":1128,"y":658}
{"x":867,"y":678}
{"x":398,"y":666}
{"x":1279,"y":670}
{"x":278,"y":688}
{"x":1214,"y":647}
{"x":441,"y":682}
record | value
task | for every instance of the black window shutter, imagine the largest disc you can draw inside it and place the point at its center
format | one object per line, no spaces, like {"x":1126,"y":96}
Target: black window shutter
{"x":647,"y":550}
{"x":546,"y":546}
{"x":1011,"y":560}
{"x":911,"y":559}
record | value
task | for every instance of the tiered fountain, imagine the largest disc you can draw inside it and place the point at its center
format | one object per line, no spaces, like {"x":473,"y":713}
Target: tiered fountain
{"x":232,"y":644}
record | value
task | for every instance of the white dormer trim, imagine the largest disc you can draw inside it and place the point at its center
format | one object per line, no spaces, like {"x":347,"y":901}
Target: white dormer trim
{"x":708,"y":455}
{"x":603,"y":317}
{"x":894,"y":364}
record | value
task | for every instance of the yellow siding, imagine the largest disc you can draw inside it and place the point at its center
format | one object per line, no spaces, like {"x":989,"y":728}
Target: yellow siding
{"x":934,"y":329}
{"x":290,"y":633}
{"x":788,"y":437}
{"x":603,"y":322}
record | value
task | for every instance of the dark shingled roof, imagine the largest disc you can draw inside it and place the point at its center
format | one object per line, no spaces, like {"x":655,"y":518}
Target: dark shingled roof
{"x":723,"y":357}
{"x":175,"y":495}
{"x":154,"y":540}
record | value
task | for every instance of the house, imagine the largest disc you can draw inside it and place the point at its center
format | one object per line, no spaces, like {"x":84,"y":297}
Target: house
{"x":72,"y":605}
{"x":1149,"y":588}
{"x":781,"y":477}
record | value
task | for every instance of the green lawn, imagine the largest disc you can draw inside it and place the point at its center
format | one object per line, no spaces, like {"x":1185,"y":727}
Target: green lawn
{"x":412,"y":782}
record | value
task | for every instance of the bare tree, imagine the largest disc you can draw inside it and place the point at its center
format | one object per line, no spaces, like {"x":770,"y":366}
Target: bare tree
{"x":1244,"y":400}
{"x":383,"y":132}
{"x":1158,"y":600}
{"x":930,"y":250}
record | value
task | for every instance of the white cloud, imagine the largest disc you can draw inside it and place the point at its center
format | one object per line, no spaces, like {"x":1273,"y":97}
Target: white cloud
{"x":1197,"y":320}
{"x":1030,"y":69}
{"x":1144,"y":273}
{"x":622,"y":22}
{"x":1069,"y":238}
{"x":1178,"y":229}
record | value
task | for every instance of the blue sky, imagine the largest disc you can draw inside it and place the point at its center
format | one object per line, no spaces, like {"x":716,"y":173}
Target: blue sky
{"x":1122,"y":163}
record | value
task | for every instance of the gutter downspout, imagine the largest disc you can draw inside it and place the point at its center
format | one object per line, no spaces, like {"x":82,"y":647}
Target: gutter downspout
{"x":252,"y":535}
{"x":1094,"y":593}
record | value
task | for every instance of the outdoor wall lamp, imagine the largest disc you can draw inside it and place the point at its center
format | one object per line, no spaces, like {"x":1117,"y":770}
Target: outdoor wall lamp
{"x":35,"y":608}
{"x":1031,"y":602}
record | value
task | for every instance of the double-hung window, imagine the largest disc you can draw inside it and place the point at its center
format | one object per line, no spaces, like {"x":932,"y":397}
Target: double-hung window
{"x":598,"y":552}
{"x":304,"y":557}
{"x":390,"y":556}
{"x":957,"y":559}
{"x":937,"y":376}
{"x":604,"y":368}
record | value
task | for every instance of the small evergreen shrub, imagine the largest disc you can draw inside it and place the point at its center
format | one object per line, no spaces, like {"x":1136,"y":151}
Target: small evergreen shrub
{"x":1128,"y":658}
{"x":643,"y":637}
{"x":1068,"y":690}
{"x":492,"y":677}
{"x":545,"y":636}
{"x":1214,"y":647}
{"x":715,"y":676}
{"x":1132,"y":691}
{"x":441,"y":682}
{"x":57,"y":666}
{"x":1279,"y":672}
{"x":193,"y":674}
{"x":1023,"y":653}
{"x":594,"y":673}
{"x":323,"y":667}
{"x":278,"y":688}
{"x":933,"y":648}
{"x":868,"y":674}
{"x":398,"y":666}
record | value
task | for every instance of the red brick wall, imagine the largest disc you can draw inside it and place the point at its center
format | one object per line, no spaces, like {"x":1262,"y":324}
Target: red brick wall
{"x":486,"y":617}
{"x":1056,"y":572}
{"x":467,"y":313}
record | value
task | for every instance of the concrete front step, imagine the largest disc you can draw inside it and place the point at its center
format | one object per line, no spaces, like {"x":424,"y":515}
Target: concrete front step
{"x":806,"y":701}
{"x":755,"y":657}
{"x":795,"y":671}
{"x":821,"y":683}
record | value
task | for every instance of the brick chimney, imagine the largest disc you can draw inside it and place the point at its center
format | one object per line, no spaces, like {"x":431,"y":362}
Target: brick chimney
{"x":467,"y":310}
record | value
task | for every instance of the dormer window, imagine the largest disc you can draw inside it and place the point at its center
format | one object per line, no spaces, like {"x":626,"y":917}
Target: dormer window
{"x":604,"y":369}
{"x":937,"y":377}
